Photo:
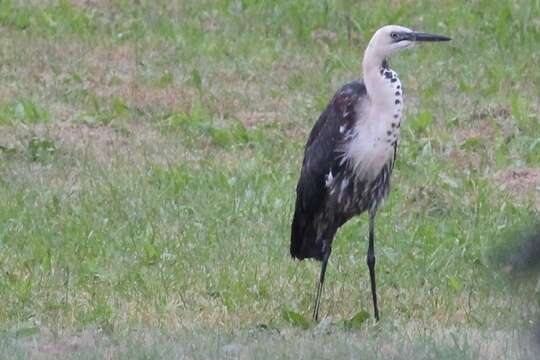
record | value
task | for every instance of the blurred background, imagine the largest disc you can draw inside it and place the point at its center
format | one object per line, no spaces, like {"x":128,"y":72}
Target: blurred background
{"x":149,"y":155}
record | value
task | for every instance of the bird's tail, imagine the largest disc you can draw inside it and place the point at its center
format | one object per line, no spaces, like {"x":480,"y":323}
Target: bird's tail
{"x":304,"y":242}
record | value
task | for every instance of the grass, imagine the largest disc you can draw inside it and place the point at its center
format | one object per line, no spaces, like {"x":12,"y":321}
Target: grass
{"x":149,"y":157}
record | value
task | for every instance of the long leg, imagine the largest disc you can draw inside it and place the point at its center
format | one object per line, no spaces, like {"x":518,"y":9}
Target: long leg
{"x":326,"y":256}
{"x":371,"y":260}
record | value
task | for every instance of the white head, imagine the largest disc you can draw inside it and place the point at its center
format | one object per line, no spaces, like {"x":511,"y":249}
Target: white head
{"x":392,"y":38}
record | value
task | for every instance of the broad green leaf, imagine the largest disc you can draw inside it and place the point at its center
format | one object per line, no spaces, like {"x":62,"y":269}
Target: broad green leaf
{"x":356,"y":321}
{"x":421,"y":122}
{"x":27,"y":331}
{"x":455,"y":283}
{"x":296,"y":319}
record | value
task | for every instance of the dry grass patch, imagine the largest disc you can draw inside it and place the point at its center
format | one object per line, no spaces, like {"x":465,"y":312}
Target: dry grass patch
{"x":112,"y":71}
{"x":136,"y":143}
{"x":91,"y":3}
{"x":170,"y":97}
{"x":521,"y":184}
{"x":480,"y":129}
{"x":252,"y":119}
{"x":115,"y":74}
{"x":474,"y":141}
{"x":102,"y":142}
{"x":483,"y":125}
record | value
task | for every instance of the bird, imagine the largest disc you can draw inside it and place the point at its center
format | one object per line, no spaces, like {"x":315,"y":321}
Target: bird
{"x":350,"y":154}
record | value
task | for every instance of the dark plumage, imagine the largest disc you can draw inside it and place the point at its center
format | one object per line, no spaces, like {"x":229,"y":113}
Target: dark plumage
{"x":319,"y":212}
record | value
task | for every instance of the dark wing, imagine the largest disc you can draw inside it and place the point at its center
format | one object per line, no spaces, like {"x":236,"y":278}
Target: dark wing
{"x":320,"y":157}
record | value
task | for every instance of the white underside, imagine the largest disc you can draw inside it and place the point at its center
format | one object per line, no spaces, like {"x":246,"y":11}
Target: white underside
{"x":371,"y":149}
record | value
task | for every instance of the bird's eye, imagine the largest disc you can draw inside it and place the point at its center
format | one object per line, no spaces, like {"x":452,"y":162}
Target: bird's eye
{"x":394,"y":35}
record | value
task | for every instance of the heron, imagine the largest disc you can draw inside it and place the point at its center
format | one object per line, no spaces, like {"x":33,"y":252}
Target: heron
{"x":350,"y":154}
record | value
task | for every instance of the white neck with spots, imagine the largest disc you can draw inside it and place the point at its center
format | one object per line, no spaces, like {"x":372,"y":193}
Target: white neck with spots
{"x":377,"y":129}
{"x":381,"y":88}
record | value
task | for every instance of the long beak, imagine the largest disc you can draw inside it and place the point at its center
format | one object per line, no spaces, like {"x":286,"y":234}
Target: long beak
{"x":418,"y":36}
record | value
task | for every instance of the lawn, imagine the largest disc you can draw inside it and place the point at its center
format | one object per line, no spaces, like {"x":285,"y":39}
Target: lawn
{"x":149,"y":156}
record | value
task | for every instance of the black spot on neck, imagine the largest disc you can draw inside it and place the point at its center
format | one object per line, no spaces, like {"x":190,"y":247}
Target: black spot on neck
{"x":384,"y":64}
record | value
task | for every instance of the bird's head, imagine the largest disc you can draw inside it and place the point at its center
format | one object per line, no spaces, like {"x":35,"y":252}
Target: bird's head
{"x":392,"y":38}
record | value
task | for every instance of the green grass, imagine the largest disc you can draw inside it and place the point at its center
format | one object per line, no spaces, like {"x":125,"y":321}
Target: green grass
{"x":149,"y":157}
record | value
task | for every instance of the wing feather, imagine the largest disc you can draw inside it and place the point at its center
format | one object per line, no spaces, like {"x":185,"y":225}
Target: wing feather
{"x":322,"y":153}
{"x":322,"y":156}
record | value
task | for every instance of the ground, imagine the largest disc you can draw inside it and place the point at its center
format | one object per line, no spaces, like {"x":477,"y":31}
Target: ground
{"x":150,"y":151}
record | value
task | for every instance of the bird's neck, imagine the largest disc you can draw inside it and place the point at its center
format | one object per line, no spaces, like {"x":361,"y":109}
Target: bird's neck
{"x":378,"y":87}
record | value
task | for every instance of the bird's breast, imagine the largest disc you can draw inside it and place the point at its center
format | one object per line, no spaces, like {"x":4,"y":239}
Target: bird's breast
{"x":375,"y":134}
{"x":369,"y":150}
